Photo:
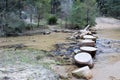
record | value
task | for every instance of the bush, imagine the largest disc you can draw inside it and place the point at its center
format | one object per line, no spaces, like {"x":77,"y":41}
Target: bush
{"x":52,"y":20}
{"x":14,"y":25}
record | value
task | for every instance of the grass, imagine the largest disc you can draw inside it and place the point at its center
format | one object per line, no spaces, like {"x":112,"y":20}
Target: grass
{"x":42,"y":42}
{"x":33,"y":57}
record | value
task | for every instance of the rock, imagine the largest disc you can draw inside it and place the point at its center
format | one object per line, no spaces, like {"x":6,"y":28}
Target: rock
{"x":83,"y":72}
{"x":65,"y":57}
{"x":64,"y":77}
{"x":56,"y":30}
{"x":90,"y":50}
{"x":93,"y":30}
{"x":46,"y":32}
{"x":84,"y":58}
{"x":89,"y":37}
{"x":77,"y":51}
{"x":87,"y":43}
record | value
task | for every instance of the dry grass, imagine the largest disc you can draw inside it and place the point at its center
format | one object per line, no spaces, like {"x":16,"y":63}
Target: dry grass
{"x":41,"y":42}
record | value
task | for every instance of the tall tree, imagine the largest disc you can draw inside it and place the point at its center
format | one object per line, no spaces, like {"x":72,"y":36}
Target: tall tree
{"x":43,"y":8}
{"x":109,"y":7}
{"x":83,"y":13}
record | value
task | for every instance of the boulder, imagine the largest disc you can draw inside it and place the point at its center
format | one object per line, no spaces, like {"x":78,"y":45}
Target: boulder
{"x":84,"y":58}
{"x":87,"y":43}
{"x":83,"y":72}
{"x":89,"y":37}
{"x":90,"y":50}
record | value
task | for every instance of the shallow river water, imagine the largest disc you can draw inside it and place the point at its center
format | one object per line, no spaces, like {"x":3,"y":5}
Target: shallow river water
{"x":108,"y":28}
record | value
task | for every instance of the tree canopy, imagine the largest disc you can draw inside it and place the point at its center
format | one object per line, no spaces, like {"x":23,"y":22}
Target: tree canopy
{"x":78,"y":13}
{"x":83,"y":13}
{"x":109,"y":8}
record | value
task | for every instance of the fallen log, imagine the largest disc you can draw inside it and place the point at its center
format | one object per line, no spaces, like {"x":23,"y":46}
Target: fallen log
{"x":81,"y":33}
{"x":86,"y":27}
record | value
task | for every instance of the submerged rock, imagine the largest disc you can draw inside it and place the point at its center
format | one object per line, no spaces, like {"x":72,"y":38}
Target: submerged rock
{"x":108,"y":46}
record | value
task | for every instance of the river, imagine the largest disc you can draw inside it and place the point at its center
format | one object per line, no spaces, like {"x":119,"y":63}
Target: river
{"x":108,"y":28}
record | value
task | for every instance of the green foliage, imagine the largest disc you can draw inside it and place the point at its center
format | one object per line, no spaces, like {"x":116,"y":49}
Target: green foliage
{"x":52,"y":20}
{"x":42,"y":7}
{"x":109,"y":7}
{"x":14,"y":26}
{"x":83,"y":13}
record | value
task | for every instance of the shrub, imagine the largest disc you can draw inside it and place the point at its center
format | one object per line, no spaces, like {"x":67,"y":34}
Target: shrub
{"x":52,"y":20}
{"x":14,"y":25}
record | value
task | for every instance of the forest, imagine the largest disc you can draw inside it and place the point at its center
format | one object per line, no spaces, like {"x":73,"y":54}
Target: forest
{"x":16,"y":16}
{"x":59,"y":39}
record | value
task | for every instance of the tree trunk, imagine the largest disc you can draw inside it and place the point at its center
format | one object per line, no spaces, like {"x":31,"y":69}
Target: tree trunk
{"x":38,"y":20}
{"x":20,"y":11}
{"x":6,"y":14}
{"x":31,"y":20}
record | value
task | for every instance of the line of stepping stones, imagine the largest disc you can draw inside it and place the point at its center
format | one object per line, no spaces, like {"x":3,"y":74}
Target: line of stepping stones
{"x":86,"y":53}
{"x":82,"y":52}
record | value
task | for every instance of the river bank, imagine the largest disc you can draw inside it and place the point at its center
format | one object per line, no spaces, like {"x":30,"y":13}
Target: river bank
{"x":107,"y":60}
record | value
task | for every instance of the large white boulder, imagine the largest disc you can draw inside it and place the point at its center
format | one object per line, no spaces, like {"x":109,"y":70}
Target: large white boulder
{"x":87,"y":42}
{"x":84,"y":58}
{"x":83,"y":72}
{"x":90,"y":50}
{"x":89,"y":37}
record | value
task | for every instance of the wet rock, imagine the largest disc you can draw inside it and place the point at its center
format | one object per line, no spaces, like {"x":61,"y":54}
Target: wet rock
{"x":84,"y":58}
{"x":89,"y":37}
{"x":107,"y":46}
{"x":77,"y":51}
{"x":87,"y":43}
{"x":6,"y":78}
{"x":83,"y":72}
{"x":90,"y":50}
{"x":64,"y":77}
{"x":46,"y":32}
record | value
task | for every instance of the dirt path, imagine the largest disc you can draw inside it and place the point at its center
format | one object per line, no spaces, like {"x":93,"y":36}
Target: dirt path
{"x":107,"y":65}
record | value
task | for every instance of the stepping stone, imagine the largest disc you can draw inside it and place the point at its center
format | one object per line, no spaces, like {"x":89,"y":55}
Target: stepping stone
{"x":89,"y":37}
{"x":87,"y":43}
{"x":90,"y":50}
{"x":84,"y":58}
{"x":83,"y":72}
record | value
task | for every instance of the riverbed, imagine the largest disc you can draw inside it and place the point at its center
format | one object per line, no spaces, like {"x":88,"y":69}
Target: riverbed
{"x":107,"y":64}
{"x":108,"y":28}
